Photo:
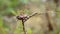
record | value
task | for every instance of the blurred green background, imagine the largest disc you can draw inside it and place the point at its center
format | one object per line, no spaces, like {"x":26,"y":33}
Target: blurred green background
{"x":9,"y":9}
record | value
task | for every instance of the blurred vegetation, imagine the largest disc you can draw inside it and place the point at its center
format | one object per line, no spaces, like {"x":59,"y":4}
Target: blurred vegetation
{"x":12,"y":8}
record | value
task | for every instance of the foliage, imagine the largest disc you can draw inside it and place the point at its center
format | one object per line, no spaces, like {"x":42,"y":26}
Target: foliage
{"x":13,"y":7}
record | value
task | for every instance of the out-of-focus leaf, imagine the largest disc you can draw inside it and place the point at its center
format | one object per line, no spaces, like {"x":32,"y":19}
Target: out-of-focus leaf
{"x":13,"y":12}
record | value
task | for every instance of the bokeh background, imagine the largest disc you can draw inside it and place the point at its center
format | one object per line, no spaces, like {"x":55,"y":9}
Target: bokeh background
{"x":9,"y":9}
